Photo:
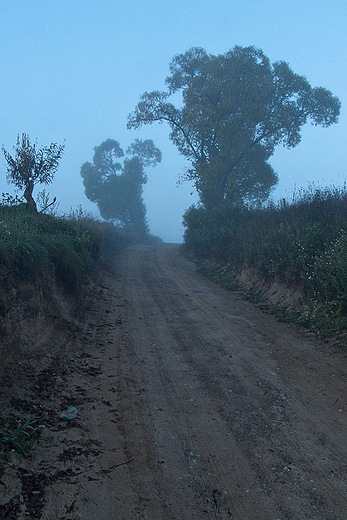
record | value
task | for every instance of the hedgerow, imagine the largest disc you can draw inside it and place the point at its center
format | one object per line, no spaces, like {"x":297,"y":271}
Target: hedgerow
{"x":301,"y":243}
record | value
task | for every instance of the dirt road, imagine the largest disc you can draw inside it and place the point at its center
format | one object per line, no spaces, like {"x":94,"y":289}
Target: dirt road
{"x":202,"y":406}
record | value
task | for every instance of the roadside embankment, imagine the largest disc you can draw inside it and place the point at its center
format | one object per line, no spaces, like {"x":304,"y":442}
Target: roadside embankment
{"x":291,"y":256}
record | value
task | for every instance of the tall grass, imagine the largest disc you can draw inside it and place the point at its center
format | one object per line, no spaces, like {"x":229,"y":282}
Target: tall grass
{"x":301,"y":243}
{"x":31,"y":242}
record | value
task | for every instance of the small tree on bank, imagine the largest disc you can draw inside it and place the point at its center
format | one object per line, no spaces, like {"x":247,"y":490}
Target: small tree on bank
{"x":31,"y":165}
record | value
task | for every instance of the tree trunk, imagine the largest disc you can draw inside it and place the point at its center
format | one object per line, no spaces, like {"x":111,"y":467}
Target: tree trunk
{"x":28,"y":195}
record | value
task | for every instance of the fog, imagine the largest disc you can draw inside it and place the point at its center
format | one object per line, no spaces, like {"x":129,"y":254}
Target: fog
{"x":74,"y":71}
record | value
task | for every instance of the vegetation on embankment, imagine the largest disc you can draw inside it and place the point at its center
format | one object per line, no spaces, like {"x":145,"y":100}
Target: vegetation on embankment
{"x":32,"y":242}
{"x":301,"y":245}
{"x":70,"y":246}
{"x":48,"y":265}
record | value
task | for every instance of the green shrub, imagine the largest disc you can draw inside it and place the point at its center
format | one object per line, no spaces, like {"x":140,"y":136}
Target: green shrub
{"x":328,"y":282}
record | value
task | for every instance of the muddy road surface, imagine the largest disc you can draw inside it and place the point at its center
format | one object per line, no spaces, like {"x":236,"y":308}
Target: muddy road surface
{"x":203,"y":406}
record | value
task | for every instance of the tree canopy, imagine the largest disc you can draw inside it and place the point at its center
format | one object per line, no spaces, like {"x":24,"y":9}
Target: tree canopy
{"x":236,"y":107}
{"x":116,"y":186}
{"x":32,"y":165}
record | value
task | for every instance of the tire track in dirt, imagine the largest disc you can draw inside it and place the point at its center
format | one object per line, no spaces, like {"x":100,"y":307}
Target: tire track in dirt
{"x":170,"y":389}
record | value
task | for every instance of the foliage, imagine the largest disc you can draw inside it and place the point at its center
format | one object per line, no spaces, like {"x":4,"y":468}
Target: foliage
{"x":302,"y":243}
{"x":32,"y":165}
{"x":328,"y":281}
{"x":10,"y":200}
{"x":31,"y":243}
{"x":236,"y":108}
{"x":117,"y":188}
{"x":45,"y":205}
{"x":145,"y":151}
{"x":21,"y":437}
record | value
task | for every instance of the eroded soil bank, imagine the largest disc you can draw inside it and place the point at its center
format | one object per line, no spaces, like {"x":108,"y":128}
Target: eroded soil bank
{"x":191,"y":404}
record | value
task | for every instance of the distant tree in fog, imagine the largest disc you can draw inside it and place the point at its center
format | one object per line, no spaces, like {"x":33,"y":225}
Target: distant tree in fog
{"x":117,"y":188}
{"x":236,"y":107}
{"x":31,"y":165}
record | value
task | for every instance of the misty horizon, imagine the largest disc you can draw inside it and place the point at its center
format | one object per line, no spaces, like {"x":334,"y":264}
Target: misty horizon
{"x":74,"y":73}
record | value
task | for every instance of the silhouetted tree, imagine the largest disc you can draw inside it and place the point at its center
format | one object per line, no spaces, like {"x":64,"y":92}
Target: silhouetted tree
{"x":236,"y":107}
{"x":31,"y":165}
{"x":117,"y":188}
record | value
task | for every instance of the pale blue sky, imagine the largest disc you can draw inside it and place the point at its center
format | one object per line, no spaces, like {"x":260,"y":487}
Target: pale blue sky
{"x":73,"y":70}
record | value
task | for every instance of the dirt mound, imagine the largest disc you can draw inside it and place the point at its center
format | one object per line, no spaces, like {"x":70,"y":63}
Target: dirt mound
{"x":52,"y":344}
{"x":31,"y":311}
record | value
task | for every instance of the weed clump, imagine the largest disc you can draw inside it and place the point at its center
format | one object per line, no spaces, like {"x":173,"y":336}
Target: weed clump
{"x":20,"y":437}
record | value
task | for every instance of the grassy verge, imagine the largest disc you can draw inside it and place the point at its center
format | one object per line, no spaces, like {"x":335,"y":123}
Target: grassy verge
{"x":32,"y":242}
{"x":301,"y":244}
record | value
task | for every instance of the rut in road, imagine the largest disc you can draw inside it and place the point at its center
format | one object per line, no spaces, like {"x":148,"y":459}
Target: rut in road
{"x":225,"y":412}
